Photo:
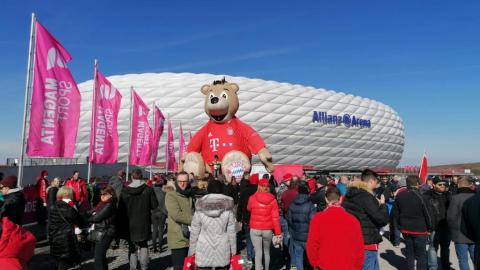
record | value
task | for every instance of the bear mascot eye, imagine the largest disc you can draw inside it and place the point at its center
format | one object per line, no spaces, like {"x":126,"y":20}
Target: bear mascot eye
{"x":212,"y":95}
{"x":224,"y":95}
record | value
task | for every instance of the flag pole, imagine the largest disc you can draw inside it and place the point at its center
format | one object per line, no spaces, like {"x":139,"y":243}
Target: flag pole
{"x":130,"y":130}
{"x":166,"y":146}
{"x":28,"y":87}
{"x":92,"y":119}
{"x":154,"y":129}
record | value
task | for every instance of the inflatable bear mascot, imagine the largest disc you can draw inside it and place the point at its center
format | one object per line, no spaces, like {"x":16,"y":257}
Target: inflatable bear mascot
{"x":224,"y":138}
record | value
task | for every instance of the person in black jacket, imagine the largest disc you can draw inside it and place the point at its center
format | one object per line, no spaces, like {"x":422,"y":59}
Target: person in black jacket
{"x":299,"y":215}
{"x":412,"y":215}
{"x":318,"y":198}
{"x":232,"y":189}
{"x":371,"y":212}
{"x":13,"y":200}
{"x":243,"y":215}
{"x":63,"y":228}
{"x":439,"y":199}
{"x":103,"y":220}
{"x":159,"y":215}
{"x":136,"y":203}
{"x":470,"y":224}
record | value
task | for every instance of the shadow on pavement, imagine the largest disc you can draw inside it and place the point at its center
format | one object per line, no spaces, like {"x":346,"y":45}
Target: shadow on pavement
{"x":399,"y":262}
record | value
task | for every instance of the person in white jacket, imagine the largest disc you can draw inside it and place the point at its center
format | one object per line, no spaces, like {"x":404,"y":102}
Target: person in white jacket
{"x":212,"y":234}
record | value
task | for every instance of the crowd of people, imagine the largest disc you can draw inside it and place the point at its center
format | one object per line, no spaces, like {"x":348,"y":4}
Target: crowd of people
{"x":298,"y":222}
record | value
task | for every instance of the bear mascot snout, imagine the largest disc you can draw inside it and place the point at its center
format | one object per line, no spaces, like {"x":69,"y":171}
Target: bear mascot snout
{"x":224,"y":137}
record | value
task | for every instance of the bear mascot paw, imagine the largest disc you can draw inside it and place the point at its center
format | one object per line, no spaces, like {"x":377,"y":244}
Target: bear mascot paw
{"x":225,"y":142}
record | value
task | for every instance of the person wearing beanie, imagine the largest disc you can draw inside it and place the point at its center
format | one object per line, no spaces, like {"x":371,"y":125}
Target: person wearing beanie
{"x":318,"y":198}
{"x":13,"y":200}
{"x":413,"y":218}
{"x":286,"y":180}
{"x":212,"y":234}
{"x":243,"y":214}
{"x":439,"y":200}
{"x":299,"y":215}
{"x":264,"y":223}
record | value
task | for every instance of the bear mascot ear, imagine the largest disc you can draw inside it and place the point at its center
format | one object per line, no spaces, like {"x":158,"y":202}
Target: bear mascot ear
{"x":234,"y":87}
{"x":206,"y":88}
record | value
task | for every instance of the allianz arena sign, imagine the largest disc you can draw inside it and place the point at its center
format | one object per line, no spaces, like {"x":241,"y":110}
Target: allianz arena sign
{"x":301,"y":125}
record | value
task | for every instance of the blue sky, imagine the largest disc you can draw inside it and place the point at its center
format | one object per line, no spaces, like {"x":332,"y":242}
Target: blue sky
{"x":420,"y":57}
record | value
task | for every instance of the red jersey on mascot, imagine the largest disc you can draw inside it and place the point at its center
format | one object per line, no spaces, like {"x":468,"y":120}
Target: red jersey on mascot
{"x":224,"y":135}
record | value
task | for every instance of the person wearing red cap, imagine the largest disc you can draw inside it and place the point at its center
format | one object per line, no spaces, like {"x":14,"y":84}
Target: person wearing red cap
{"x":264,"y":219}
{"x":41,"y":200}
{"x":338,"y":251}
{"x":13,"y":200}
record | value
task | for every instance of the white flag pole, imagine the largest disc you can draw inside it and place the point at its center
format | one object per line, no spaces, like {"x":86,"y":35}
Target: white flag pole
{"x":130,"y":131}
{"x":92,"y":127}
{"x":153,"y":138}
{"x":28,"y":88}
{"x":167,"y":150}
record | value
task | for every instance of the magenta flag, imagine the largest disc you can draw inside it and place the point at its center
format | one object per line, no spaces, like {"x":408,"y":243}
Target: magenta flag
{"x":157,"y":133}
{"x":55,"y":109}
{"x":141,"y":138}
{"x":170,"y":162}
{"x":181,"y":144}
{"x":104,"y":134}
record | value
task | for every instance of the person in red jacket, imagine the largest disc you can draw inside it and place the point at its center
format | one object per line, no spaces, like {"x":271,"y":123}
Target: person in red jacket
{"x":264,"y":217}
{"x":328,"y":250}
{"x":16,"y":246}
{"x":79,"y":189}
{"x":41,"y":197}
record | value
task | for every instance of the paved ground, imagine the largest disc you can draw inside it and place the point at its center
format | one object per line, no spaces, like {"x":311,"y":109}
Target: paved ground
{"x":390,"y":257}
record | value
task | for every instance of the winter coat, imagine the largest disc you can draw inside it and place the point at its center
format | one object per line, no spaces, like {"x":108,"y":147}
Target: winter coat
{"x":16,"y":246}
{"x":160,"y":195}
{"x":41,"y":189}
{"x":411,"y":213}
{"x":454,"y":215}
{"x":179,"y":208}
{"x":470,"y":222}
{"x":134,"y":210}
{"x":365,"y":207}
{"x":104,"y":217}
{"x":243,"y":215}
{"x":299,"y":215}
{"x":232,"y":191}
{"x":318,"y":199}
{"x":264,"y":213}
{"x":63,"y":242}
{"x":287,"y":198}
{"x":117,"y":184}
{"x":212,"y":235}
{"x":79,"y":190}
{"x":14,"y":206}
{"x":439,"y":205}
{"x":335,"y":241}
{"x":51,"y":196}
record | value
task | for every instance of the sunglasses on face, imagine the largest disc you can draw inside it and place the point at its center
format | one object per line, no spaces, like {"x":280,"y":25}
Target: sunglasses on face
{"x":441,"y":184}
{"x":182,"y":181}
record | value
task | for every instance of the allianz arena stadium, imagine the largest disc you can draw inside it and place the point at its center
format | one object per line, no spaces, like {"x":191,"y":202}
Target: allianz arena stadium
{"x":324,"y":129}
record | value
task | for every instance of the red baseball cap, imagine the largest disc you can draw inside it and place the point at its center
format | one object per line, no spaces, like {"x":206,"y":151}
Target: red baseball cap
{"x":253,"y":179}
{"x":263,"y":183}
{"x":287,"y":177}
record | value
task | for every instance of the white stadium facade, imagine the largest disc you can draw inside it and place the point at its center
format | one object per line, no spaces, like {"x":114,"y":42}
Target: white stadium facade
{"x":325,"y":129}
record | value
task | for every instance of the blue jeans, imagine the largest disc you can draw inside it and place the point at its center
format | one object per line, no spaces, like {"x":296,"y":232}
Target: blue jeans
{"x":371,"y":260}
{"x":416,"y":250}
{"x":298,"y":254}
{"x":250,"y":250}
{"x":463,"y":250}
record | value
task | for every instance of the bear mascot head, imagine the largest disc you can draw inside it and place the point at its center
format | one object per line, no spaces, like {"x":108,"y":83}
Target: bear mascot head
{"x":225,"y":144}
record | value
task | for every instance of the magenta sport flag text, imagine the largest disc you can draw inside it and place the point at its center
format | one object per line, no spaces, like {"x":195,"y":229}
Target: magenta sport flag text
{"x":55,"y":108}
{"x":104,"y":134}
{"x":141,"y":138}
{"x":170,"y":162}
{"x":157,"y":133}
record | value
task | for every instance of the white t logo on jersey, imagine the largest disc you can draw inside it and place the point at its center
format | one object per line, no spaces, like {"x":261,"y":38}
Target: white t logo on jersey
{"x":214,"y":143}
